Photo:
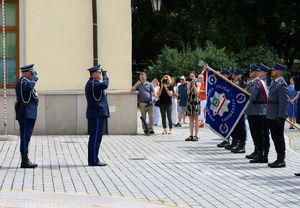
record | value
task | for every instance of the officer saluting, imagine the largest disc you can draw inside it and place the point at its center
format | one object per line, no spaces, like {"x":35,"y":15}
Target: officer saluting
{"x":276,"y":113}
{"x":26,"y":110}
{"x":97,"y":111}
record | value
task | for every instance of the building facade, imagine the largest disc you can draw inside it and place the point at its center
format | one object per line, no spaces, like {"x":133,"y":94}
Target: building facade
{"x":57,"y":36}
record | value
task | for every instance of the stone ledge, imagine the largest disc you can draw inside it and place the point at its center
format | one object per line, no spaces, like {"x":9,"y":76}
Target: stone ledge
{"x":74,"y":92}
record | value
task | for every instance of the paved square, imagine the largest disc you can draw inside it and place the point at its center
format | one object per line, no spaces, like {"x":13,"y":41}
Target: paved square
{"x":158,"y":168}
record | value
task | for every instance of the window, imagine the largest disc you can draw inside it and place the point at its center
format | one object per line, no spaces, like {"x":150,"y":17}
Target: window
{"x":12,"y":43}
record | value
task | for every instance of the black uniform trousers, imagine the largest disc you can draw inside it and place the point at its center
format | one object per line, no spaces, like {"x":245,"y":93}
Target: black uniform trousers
{"x":239,"y":133}
{"x":266,"y":134}
{"x":95,"y":126}
{"x":276,"y":129}
{"x":26,"y":128}
{"x":259,"y":131}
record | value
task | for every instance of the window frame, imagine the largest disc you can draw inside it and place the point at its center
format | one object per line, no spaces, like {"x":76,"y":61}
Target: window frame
{"x":14,"y":29}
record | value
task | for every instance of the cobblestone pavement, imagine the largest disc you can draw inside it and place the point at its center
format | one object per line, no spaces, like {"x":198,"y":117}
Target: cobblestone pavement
{"x":158,"y":168}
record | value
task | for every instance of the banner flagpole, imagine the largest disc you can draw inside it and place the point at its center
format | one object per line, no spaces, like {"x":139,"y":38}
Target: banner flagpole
{"x":292,"y":124}
{"x":227,"y":80}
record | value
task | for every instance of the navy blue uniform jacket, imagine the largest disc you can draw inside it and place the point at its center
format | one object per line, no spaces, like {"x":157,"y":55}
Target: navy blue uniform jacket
{"x":27,"y":99}
{"x":97,"y":105}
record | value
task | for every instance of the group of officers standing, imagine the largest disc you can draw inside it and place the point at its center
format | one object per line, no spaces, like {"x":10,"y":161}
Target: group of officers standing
{"x":266,"y":113}
{"x":96,"y":113}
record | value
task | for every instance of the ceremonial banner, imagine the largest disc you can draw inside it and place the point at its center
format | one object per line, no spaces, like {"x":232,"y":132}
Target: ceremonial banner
{"x":226,"y":103}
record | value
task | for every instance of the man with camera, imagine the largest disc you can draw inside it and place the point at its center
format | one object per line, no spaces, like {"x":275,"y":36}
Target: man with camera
{"x":97,"y":111}
{"x":146,"y":91}
{"x":26,"y":110}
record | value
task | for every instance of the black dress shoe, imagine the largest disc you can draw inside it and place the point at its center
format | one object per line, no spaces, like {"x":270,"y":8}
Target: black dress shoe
{"x":152,"y":132}
{"x":277,"y":164}
{"x":251,"y":156}
{"x":230,"y":146}
{"x":98,"y":164}
{"x":28,"y":164}
{"x":297,"y":174}
{"x":238,"y":150}
{"x":257,"y":160}
{"x":223,"y":144}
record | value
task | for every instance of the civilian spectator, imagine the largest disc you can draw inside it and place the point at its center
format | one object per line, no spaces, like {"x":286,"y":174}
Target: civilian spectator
{"x":146,"y":91}
{"x":165,"y":94}
{"x":182,"y":101}
{"x":174,"y":104}
{"x":193,"y":107}
{"x":155,"y":84}
{"x":292,"y":105}
{"x":202,"y":100}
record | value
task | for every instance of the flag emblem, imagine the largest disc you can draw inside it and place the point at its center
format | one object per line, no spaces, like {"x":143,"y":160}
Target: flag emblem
{"x":219,"y":104}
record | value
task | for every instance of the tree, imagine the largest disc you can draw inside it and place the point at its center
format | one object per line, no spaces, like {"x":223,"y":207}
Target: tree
{"x":231,"y":24}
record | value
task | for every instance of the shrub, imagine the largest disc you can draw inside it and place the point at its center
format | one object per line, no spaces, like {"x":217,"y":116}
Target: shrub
{"x":256,"y":55}
{"x":177,"y":63}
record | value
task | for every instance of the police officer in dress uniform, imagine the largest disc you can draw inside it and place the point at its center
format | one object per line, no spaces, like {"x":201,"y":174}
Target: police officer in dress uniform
{"x":26,"y":110}
{"x":276,"y":113}
{"x":264,"y":75}
{"x":256,"y":112}
{"x":239,"y":133}
{"x":97,"y":111}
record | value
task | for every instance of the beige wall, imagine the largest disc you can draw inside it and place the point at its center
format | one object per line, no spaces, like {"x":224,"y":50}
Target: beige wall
{"x":58,"y":39}
{"x":114,"y":34}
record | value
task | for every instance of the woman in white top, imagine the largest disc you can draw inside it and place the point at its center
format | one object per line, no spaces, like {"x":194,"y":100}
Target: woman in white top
{"x":156,"y":110}
{"x":174,"y":104}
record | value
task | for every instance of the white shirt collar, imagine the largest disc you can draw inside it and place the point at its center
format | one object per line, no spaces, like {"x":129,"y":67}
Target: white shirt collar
{"x":256,"y":78}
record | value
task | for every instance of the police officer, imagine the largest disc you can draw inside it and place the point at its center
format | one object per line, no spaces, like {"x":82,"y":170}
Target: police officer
{"x":239,"y":133}
{"x":276,"y":113}
{"x":264,"y":74}
{"x":26,"y":110}
{"x":97,"y":111}
{"x":256,"y":112}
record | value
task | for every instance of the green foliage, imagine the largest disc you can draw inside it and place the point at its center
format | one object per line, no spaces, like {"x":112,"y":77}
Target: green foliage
{"x":176,"y":63}
{"x":256,"y":55}
{"x":233,"y":24}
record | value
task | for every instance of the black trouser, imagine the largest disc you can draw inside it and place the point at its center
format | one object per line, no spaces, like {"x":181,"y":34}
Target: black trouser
{"x":277,"y":128}
{"x":257,"y":127}
{"x":26,"y":128}
{"x":95,"y":126}
{"x":239,"y":133}
{"x":266,"y":135}
{"x":166,"y":110}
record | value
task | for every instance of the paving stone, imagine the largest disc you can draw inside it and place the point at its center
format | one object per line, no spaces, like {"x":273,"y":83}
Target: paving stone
{"x":159,"y":167}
